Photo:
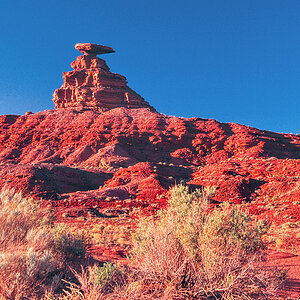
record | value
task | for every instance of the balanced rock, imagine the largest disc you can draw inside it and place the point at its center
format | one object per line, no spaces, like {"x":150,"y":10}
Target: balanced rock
{"x":92,"y":86}
{"x":93,"y":49}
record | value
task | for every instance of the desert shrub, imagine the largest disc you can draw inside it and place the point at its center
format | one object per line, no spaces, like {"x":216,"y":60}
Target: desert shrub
{"x":192,"y":251}
{"x":97,"y":282}
{"x":18,"y":216}
{"x":106,"y":276}
{"x":28,"y":263}
{"x":26,"y":273}
{"x":67,"y":244}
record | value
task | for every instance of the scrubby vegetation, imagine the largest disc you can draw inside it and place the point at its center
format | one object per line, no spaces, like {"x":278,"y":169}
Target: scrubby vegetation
{"x":27,"y":261}
{"x":34,"y":254}
{"x":187,"y":251}
{"x":197,"y":252}
{"x":98,"y":282}
{"x":69,"y":245}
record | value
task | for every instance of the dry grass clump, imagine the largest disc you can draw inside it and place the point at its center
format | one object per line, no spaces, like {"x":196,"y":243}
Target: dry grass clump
{"x":97,"y":282}
{"x":27,"y":262}
{"x":67,"y":244}
{"x":285,"y":237}
{"x":30,"y":260}
{"x":18,"y":217}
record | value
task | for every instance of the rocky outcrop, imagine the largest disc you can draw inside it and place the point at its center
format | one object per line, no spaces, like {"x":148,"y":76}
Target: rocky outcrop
{"x":92,"y":86}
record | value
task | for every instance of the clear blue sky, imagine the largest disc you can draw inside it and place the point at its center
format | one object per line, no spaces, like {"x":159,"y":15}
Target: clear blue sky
{"x":230,"y":60}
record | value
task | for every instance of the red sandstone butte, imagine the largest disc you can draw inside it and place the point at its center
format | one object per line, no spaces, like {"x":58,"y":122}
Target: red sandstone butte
{"x":92,"y":86}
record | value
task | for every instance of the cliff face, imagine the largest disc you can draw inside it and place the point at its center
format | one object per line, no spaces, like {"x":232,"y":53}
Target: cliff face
{"x":92,"y":86}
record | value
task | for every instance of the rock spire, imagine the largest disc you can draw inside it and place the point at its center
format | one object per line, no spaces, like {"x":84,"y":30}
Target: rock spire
{"x":91,"y":85}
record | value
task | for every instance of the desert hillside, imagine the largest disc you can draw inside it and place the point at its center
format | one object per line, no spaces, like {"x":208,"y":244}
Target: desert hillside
{"x":105,"y":158}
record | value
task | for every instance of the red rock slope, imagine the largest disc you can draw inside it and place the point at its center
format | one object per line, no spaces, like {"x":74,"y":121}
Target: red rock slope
{"x":62,"y":151}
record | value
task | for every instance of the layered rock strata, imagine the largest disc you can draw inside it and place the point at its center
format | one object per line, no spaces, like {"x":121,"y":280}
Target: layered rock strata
{"x":92,"y":86}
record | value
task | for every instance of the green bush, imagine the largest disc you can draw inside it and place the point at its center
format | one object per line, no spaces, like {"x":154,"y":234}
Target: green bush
{"x":98,"y":283}
{"x":190,"y":250}
{"x":106,"y":275}
{"x":69,"y":245}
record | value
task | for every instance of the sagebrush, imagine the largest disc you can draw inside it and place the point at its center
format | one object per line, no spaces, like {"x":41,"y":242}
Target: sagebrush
{"x":31,"y":262}
{"x":194,"y":251}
